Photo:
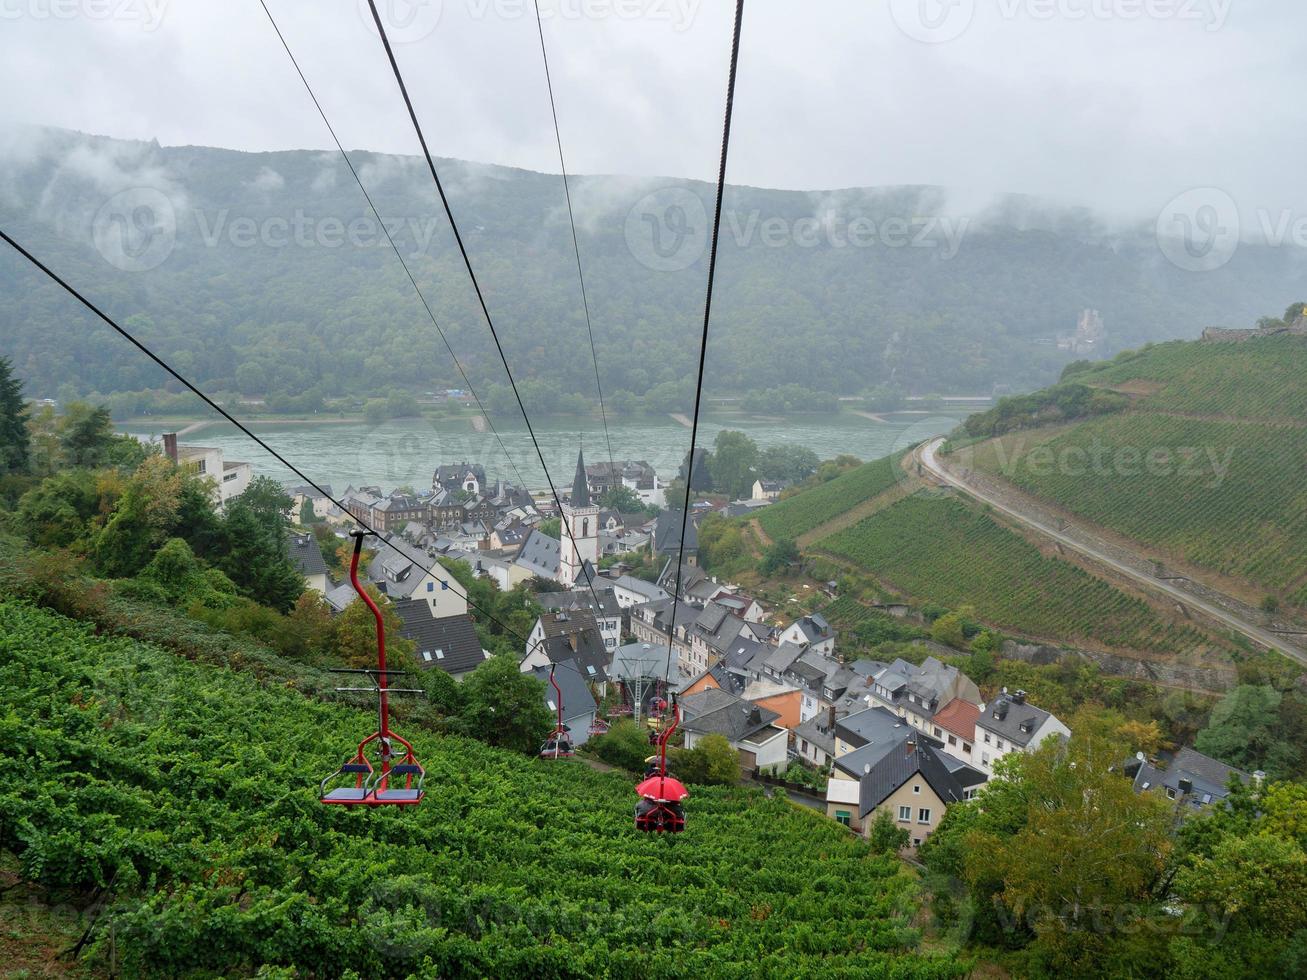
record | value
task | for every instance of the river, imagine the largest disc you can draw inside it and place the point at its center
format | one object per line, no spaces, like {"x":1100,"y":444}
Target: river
{"x":405,"y":452}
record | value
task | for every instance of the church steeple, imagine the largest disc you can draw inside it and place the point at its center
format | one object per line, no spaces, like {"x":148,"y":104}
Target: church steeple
{"x":580,"y":485}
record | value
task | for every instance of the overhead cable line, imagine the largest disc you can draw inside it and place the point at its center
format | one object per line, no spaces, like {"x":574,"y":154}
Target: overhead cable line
{"x":707,"y":316}
{"x":368,"y":197}
{"x":127,"y":335}
{"x":476,"y":285}
{"x":576,"y":247}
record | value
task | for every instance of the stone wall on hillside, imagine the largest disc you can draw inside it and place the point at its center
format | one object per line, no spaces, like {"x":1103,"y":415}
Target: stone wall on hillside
{"x":1220,"y":335}
{"x":1214,"y":679}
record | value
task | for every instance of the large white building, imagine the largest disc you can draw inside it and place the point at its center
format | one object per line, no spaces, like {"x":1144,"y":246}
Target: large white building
{"x":230,"y":479}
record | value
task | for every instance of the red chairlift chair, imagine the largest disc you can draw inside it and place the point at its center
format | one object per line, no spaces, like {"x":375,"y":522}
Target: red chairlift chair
{"x":360,"y":781}
{"x":660,"y":809}
{"x":559,"y":743}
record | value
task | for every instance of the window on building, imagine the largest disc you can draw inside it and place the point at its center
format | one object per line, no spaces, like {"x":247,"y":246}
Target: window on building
{"x":999,"y":746}
{"x":426,"y":655}
{"x":916,"y":842}
{"x":966,"y":746}
{"x":916,"y":787}
{"x":1170,"y":793}
{"x":940,"y":734}
{"x":952,"y":740}
{"x":843,"y":816}
{"x":923,"y":815}
{"x":984,"y":758}
{"x":905,"y":813}
{"x":986,"y":738}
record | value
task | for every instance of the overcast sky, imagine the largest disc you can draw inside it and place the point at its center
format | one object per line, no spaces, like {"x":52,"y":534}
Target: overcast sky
{"x":1119,"y":104}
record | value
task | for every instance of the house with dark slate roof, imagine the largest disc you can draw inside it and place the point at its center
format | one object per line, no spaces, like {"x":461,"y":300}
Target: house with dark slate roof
{"x":1186,"y":776}
{"x":449,"y":643}
{"x":916,"y":693}
{"x":306,"y":555}
{"x":577,"y":702}
{"x":600,"y":602}
{"x":912,"y":783}
{"x":747,"y":727}
{"x":404,"y":571}
{"x":1009,"y":724}
{"x":812,"y":633}
{"x":559,"y":636}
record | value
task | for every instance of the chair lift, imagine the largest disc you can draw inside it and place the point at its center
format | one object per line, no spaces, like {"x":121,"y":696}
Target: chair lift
{"x":659,"y":810}
{"x":559,"y":743}
{"x":597,"y":727}
{"x":360,"y":781}
{"x":656,"y":719}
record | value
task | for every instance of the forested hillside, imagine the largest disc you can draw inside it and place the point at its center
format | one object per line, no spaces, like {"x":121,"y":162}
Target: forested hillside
{"x":184,"y":797}
{"x":263,"y":275}
{"x":1203,"y":466}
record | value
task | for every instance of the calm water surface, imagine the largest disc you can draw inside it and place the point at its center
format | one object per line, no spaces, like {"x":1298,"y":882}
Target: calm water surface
{"x":405,"y":452}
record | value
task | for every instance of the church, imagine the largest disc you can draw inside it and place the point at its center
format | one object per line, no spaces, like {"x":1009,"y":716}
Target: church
{"x":564,"y":561}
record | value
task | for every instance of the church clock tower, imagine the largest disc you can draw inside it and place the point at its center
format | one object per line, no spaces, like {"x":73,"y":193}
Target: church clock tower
{"x":580,"y":529}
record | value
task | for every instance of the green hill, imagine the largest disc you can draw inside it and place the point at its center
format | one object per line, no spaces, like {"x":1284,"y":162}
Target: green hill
{"x":184,"y":795}
{"x":936,"y":549}
{"x":813,"y":507}
{"x":273,"y":280}
{"x":1206,"y":467}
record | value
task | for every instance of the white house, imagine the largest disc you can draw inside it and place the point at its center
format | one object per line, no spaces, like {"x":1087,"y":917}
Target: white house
{"x":229,"y":478}
{"x":1011,"y":724}
{"x":812,"y":633}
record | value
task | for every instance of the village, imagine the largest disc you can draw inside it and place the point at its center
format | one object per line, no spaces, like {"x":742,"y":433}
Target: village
{"x":900,"y":738}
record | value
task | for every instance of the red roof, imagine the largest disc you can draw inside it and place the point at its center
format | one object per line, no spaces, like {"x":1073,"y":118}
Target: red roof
{"x":958,"y":717}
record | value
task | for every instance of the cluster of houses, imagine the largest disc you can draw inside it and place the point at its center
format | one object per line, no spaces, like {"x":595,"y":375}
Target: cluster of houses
{"x":903,"y":738}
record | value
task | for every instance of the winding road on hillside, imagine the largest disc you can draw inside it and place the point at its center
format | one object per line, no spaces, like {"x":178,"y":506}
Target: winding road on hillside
{"x":927,"y":455}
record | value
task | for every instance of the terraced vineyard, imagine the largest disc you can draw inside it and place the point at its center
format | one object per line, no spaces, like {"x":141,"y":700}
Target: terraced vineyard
{"x":187,"y":793}
{"x":812,"y":508}
{"x":1257,"y":379}
{"x":935,"y":548}
{"x":1227,"y":496}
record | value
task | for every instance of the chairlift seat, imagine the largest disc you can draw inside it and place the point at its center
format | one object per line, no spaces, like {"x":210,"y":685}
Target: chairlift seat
{"x":401,"y":794}
{"x":347,"y":794}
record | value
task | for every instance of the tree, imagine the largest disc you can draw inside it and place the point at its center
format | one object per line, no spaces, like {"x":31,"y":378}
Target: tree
{"x":778,"y":556}
{"x":307,"y":514}
{"x":733,"y":464}
{"x":885,"y":835}
{"x":551,"y":527}
{"x":1141,"y":736}
{"x":1088,"y":846}
{"x":1243,"y":731}
{"x":624,"y":500}
{"x":787,"y":462}
{"x":58,"y":511}
{"x":948,"y":630}
{"x":356,"y":631}
{"x":711,"y":762}
{"x":254,"y":548}
{"x":86,"y":435}
{"x":626,"y":745}
{"x":143,"y":519}
{"x":504,"y":706}
{"x":15,"y":443}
